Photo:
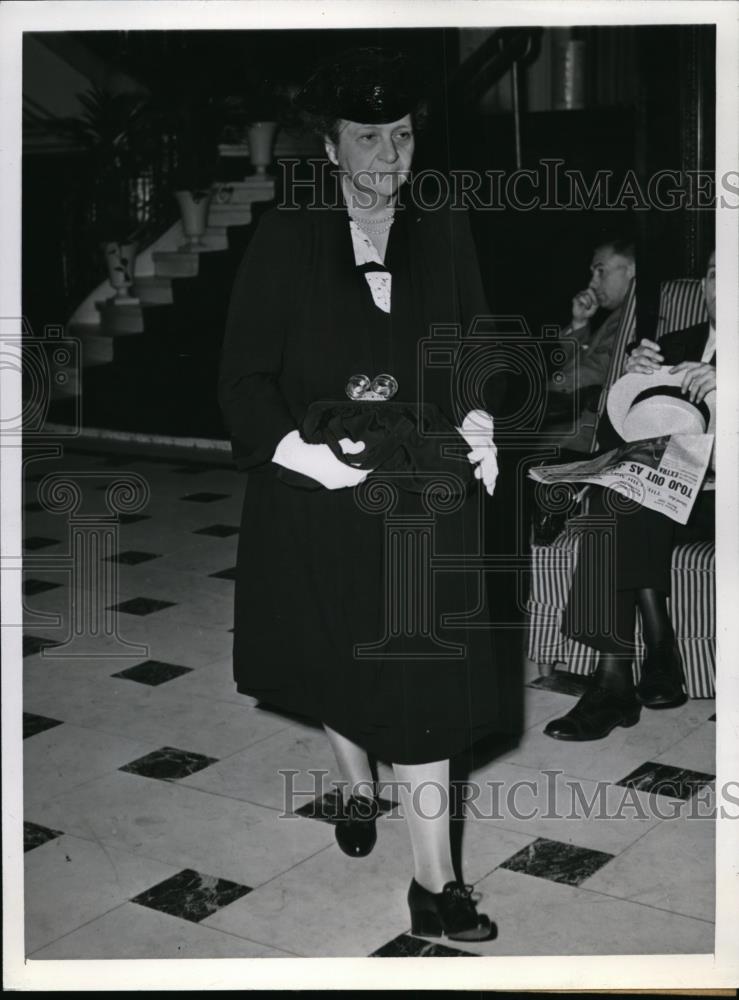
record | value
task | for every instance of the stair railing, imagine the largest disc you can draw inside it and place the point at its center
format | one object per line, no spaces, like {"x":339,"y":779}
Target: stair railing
{"x":506,"y":50}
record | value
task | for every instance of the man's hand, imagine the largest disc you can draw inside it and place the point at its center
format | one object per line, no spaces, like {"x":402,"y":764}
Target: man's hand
{"x":700,"y":379}
{"x":645,"y":359}
{"x":584,"y":305}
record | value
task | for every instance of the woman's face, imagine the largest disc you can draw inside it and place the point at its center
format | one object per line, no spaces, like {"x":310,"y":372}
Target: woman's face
{"x":375,"y":158}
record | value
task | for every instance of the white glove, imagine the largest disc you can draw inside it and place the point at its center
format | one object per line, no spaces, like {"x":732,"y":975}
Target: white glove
{"x":318,"y":461}
{"x":477,"y":430}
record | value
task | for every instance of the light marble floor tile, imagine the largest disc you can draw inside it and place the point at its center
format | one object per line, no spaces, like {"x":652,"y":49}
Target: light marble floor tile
{"x":672,"y":868}
{"x":214,"y":681}
{"x":530,"y":668}
{"x":112,"y":643}
{"x":158,"y":535}
{"x":151,"y":580}
{"x":191,"y":512}
{"x":140,"y":712}
{"x":138,"y":932}
{"x":697,"y":751}
{"x":331,"y":905}
{"x":557,"y":806}
{"x":609,"y":759}
{"x":212,"y":610}
{"x":253,"y":775}
{"x":66,"y":756}
{"x":205,"y":554}
{"x":219,"y":836}
{"x":536,"y":916}
{"x":70,"y":881}
{"x":51,"y":677}
{"x":540,"y":706}
{"x":485,"y":845}
{"x":186,"y":643}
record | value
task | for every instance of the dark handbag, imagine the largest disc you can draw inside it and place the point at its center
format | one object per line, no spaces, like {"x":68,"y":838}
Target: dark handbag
{"x":406,"y":439}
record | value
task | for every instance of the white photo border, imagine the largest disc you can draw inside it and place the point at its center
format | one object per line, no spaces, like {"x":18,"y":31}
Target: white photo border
{"x":720,"y":970}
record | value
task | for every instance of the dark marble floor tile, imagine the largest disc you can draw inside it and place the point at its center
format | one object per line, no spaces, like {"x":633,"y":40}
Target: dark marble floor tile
{"x":329,"y":807}
{"x":205,"y":497}
{"x":191,"y":895}
{"x":35,"y":835}
{"x":34,"y":542}
{"x":141,"y":606}
{"x":153,"y":672}
{"x":563,"y":682}
{"x":664,"y":779}
{"x":33,"y":724}
{"x":133,"y":518}
{"x":31,"y":587}
{"x":225,"y":574}
{"x":168,"y":764}
{"x":131,"y":557}
{"x":557,"y":861}
{"x":406,"y":946}
{"x":218,"y":530}
{"x":35,"y":643}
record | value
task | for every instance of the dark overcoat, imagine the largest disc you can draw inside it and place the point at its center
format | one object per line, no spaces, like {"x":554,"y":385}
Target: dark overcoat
{"x":339,"y":613}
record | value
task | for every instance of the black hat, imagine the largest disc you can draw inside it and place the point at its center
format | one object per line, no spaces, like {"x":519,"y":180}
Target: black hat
{"x":370,"y":85}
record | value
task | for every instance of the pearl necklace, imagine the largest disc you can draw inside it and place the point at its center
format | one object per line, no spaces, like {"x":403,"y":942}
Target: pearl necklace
{"x":374,"y":226}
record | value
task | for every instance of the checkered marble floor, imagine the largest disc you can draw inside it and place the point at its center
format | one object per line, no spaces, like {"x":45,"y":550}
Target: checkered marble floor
{"x":155,"y":824}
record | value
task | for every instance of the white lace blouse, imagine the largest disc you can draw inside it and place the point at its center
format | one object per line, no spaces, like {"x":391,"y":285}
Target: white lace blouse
{"x":365,"y":252}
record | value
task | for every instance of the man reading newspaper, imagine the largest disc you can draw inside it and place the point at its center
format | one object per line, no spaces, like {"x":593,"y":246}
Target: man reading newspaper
{"x":663,"y":479}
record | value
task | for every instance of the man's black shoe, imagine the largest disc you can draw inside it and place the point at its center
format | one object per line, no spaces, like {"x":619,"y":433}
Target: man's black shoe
{"x":595,"y":715}
{"x":661,"y":684}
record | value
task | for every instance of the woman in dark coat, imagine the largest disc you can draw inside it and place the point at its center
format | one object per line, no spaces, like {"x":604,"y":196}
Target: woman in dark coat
{"x":326,"y":293}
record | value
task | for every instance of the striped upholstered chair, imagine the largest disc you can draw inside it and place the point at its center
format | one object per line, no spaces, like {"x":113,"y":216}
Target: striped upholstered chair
{"x":693,"y":607}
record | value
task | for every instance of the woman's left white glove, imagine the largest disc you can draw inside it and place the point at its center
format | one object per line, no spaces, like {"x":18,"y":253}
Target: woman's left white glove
{"x":318,"y":461}
{"x":477,"y":430}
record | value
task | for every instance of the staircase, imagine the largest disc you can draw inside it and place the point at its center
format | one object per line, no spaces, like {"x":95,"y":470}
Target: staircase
{"x":150,"y":363}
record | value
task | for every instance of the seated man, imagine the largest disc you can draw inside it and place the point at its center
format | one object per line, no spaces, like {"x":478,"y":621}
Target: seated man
{"x":643,"y":544}
{"x":580,"y":380}
{"x":577,"y":385}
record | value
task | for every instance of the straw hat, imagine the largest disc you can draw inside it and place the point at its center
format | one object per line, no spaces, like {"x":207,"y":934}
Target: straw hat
{"x":649,"y":406}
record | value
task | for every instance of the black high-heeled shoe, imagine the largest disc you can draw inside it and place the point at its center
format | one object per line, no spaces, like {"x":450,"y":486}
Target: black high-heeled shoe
{"x":355,"y":830}
{"x":450,"y":912}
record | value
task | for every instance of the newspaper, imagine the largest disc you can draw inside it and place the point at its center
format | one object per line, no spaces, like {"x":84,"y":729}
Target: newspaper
{"x":665,"y":474}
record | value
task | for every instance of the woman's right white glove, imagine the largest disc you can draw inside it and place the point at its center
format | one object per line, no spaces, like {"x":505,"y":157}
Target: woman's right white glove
{"x":318,"y":461}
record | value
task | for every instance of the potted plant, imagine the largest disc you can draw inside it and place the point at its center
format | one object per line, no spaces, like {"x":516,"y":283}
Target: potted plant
{"x":112,"y":133}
